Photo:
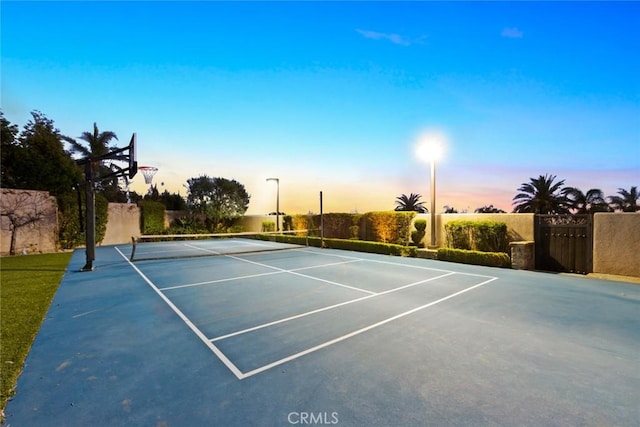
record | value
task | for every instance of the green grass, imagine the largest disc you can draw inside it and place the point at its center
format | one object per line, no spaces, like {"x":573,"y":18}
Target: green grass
{"x":27,"y":286}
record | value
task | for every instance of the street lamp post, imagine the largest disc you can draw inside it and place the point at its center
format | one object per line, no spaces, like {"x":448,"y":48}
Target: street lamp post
{"x":277,"y":180}
{"x":429,"y":149}
{"x":433,"y":203}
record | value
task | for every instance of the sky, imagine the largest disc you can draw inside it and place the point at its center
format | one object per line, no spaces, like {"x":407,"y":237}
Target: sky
{"x":334,"y":97}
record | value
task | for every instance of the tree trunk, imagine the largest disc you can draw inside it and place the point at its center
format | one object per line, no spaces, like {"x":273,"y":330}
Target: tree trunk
{"x":12,"y":246}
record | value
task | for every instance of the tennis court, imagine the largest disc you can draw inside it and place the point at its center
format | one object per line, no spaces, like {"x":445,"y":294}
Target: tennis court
{"x":301,"y":335}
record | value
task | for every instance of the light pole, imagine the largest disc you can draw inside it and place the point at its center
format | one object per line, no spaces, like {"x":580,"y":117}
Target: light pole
{"x":429,"y":149}
{"x":433,"y":243}
{"x":277,"y":180}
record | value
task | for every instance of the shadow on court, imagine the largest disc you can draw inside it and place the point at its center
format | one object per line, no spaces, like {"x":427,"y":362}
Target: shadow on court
{"x":310,"y":336}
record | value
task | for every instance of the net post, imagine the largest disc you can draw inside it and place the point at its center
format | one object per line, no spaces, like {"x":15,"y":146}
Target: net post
{"x":133,"y":248}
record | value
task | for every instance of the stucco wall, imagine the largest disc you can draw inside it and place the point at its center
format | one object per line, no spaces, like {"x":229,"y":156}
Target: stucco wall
{"x":39,"y":236}
{"x":254,"y":222}
{"x":616,"y":243}
{"x":123,"y":222}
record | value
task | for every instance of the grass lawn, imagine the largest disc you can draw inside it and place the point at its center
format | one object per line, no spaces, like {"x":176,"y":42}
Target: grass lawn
{"x":27,"y":286}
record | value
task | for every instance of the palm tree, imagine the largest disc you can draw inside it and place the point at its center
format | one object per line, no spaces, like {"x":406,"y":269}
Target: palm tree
{"x":627,"y":201}
{"x":581,"y":203}
{"x":410,"y":203}
{"x":541,"y":196}
{"x":98,"y":143}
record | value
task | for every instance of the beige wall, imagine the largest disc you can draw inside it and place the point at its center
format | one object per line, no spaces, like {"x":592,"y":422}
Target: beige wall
{"x":254,"y":222}
{"x":520,"y":226}
{"x":616,"y":243}
{"x":39,"y":236}
{"x":616,"y":236}
{"x":123,"y":222}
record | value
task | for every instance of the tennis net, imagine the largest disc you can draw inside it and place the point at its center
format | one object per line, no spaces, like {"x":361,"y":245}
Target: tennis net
{"x":172,"y":246}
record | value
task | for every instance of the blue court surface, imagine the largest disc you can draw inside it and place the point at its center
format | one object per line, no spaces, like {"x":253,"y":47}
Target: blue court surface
{"x":308,"y":336}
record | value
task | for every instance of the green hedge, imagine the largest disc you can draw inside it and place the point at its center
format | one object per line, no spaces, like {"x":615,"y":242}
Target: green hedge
{"x":345,"y":244}
{"x":69,"y":231}
{"x":341,"y":225}
{"x":484,"y":236}
{"x":151,"y":217}
{"x":268,"y":226}
{"x":490,"y":259}
{"x":418,"y":234}
{"x":388,"y":227}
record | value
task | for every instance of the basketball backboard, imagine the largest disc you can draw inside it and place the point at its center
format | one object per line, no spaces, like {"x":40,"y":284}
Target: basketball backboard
{"x":133,"y":161}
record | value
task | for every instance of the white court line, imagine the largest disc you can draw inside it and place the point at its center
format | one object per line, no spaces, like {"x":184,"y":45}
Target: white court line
{"x":282,"y":270}
{"x":209,"y":282}
{"x":233,"y":368}
{"x":390,"y":263}
{"x":308,"y":313}
{"x":241,"y":375}
{"x":360,"y":331}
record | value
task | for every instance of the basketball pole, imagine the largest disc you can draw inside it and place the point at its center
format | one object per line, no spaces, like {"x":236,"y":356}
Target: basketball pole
{"x":90,"y":192}
{"x":90,"y":218}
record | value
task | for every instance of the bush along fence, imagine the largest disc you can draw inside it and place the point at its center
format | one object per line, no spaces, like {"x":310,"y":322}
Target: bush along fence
{"x":476,"y":242}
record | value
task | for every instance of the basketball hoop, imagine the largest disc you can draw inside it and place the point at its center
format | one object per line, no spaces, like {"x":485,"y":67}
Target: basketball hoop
{"x":148,"y":172}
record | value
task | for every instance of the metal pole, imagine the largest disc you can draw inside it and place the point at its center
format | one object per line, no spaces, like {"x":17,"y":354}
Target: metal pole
{"x":433,"y":204}
{"x":321,"y":223}
{"x":277,"y":205}
{"x":90,"y":219}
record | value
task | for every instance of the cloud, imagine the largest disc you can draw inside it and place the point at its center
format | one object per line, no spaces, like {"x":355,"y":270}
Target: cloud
{"x":512,"y":33}
{"x":393,"y":38}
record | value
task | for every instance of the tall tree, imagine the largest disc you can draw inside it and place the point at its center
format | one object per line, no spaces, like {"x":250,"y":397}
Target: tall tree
{"x":221,"y":200}
{"x":40,"y":161}
{"x":627,"y":201}
{"x":410,"y":203}
{"x":581,"y":203}
{"x":541,"y":196}
{"x":8,"y":151}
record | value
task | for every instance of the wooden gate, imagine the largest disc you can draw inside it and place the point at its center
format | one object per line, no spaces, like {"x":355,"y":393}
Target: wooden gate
{"x":564,"y":243}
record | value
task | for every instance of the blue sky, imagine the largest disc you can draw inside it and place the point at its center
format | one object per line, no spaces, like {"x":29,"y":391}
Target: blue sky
{"x":333,"y":96}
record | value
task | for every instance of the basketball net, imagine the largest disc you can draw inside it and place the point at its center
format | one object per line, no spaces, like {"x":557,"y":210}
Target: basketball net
{"x":148,"y":172}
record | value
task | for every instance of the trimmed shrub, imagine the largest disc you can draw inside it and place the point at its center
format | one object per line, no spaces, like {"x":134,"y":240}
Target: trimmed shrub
{"x":339,"y":225}
{"x":287,"y":223}
{"x":151,"y":217}
{"x":268,"y":226}
{"x":490,"y":259}
{"x":485,"y":236}
{"x":418,"y":234}
{"x":388,"y":227}
{"x":350,"y":245}
{"x":371,"y":247}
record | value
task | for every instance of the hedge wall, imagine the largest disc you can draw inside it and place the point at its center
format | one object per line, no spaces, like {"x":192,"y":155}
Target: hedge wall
{"x":151,"y":217}
{"x":491,"y":259}
{"x":484,"y":236}
{"x":345,"y":244}
{"x":388,"y":227}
